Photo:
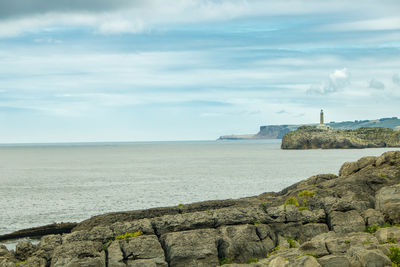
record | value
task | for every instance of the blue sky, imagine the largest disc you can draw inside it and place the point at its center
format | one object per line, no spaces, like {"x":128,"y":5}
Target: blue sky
{"x":134,"y":70}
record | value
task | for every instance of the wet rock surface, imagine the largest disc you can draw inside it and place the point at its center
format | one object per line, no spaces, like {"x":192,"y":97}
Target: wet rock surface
{"x":320,"y":221}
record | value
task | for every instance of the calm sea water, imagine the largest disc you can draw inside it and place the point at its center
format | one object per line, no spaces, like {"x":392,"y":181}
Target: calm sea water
{"x":42,"y":184}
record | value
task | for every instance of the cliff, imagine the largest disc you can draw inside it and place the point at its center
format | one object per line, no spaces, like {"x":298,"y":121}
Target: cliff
{"x":325,"y":220}
{"x":310,"y":137}
{"x":278,"y":131}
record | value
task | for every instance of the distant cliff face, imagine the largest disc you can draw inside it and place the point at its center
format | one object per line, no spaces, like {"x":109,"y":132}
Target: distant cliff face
{"x":310,"y":137}
{"x":273,"y":131}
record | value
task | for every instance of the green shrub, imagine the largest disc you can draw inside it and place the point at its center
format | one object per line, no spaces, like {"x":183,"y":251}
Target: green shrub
{"x":128,"y":235}
{"x":306,"y":193}
{"x":372,"y":228}
{"x":21,"y":262}
{"x":291,"y":201}
{"x":257,"y":223}
{"x":224,"y":261}
{"x":252,"y":260}
{"x":394,"y":256}
{"x":273,"y":252}
{"x":291,"y":242}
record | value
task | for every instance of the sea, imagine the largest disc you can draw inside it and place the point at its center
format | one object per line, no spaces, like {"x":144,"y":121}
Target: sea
{"x":45,"y":183}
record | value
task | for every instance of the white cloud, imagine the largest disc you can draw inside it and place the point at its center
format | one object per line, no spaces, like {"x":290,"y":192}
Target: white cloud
{"x":48,"y":40}
{"x":338,"y":80}
{"x":375,"y":84}
{"x":136,"y":16}
{"x":386,"y":23}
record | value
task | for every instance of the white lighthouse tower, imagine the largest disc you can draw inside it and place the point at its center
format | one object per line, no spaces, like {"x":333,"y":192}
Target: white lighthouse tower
{"x":321,"y":125}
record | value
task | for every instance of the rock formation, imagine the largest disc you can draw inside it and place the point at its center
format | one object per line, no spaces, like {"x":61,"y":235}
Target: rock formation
{"x":325,"y":220}
{"x":310,"y":137}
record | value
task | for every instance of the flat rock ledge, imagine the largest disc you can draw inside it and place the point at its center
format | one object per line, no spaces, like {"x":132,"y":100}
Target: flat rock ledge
{"x":320,"y":221}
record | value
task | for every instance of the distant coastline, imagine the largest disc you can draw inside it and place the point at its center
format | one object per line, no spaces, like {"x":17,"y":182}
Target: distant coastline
{"x":278,"y":131}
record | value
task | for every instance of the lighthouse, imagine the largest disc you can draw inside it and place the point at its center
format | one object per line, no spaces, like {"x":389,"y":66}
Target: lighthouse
{"x":321,"y":125}
{"x":321,"y":117}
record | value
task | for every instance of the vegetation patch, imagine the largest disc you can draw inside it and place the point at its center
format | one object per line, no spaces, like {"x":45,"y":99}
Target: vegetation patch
{"x":273,"y":252}
{"x":257,"y":223}
{"x":394,"y":256}
{"x":21,"y":262}
{"x":291,"y":201}
{"x":224,"y":261}
{"x":291,"y":242}
{"x":306,"y":193}
{"x":373,"y":228}
{"x":252,"y":260}
{"x":128,"y":235}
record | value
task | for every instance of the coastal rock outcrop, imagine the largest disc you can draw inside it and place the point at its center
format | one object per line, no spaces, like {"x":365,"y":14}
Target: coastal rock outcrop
{"x":325,"y":220}
{"x":311,"y":137}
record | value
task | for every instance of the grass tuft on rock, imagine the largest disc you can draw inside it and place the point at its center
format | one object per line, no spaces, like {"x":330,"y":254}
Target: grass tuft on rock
{"x":21,"y":262}
{"x":224,"y":261}
{"x":252,"y":260}
{"x":394,"y":256}
{"x":291,"y":201}
{"x":128,"y":235}
{"x":373,"y":228}
{"x":306,"y":193}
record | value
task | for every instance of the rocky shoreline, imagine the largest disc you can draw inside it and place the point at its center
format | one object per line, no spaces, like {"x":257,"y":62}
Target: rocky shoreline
{"x":312,"y":137}
{"x":325,"y":220}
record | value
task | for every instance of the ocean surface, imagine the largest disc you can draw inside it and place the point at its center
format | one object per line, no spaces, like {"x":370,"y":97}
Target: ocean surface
{"x":42,"y":184}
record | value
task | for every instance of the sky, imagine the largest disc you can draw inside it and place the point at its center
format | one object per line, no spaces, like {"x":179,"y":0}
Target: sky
{"x":146,"y":70}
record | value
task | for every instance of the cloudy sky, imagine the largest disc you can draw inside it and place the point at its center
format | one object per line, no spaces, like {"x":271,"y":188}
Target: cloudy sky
{"x":132,"y":70}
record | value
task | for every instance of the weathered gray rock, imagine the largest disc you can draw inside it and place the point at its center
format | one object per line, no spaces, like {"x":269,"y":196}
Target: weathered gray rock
{"x":115,"y":255}
{"x":388,"y":234}
{"x":314,"y":247}
{"x":387,"y":200}
{"x":305,"y":261}
{"x":363,"y":257}
{"x":248,"y":215}
{"x":24,"y":250}
{"x":192,"y":248}
{"x":98,"y":233}
{"x":279,"y":262}
{"x":372,"y":216}
{"x":352,"y":167}
{"x":142,"y":225}
{"x":182,"y":222}
{"x":144,"y":247}
{"x":346,"y":222}
{"x":7,"y":258}
{"x":35,"y":262}
{"x":334,"y":261}
{"x":6,"y":262}
{"x":311,"y":230}
{"x":143,"y":250}
{"x":348,"y":168}
{"x":390,"y":157}
{"x":240,"y":243}
{"x":81,"y":253}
